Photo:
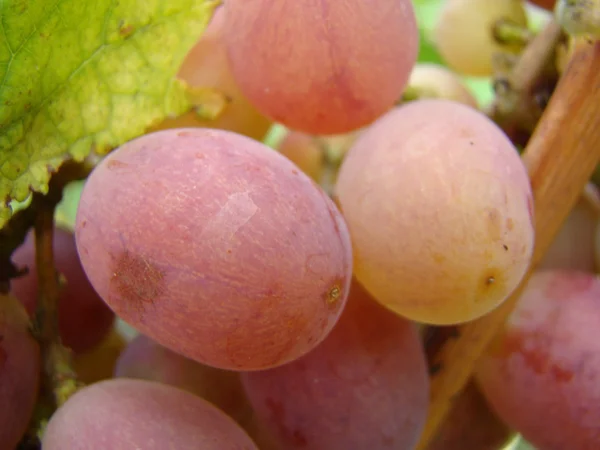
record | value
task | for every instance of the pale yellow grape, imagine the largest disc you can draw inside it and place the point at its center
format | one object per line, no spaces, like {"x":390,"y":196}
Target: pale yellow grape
{"x":305,"y":151}
{"x":439,"y":208}
{"x":463,"y":34}
{"x":431,"y":80}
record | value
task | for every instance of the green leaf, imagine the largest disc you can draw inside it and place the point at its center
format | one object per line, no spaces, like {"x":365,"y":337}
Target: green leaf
{"x":78,"y":76}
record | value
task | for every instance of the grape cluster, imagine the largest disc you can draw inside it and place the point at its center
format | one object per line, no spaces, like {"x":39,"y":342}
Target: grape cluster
{"x":282,"y":299}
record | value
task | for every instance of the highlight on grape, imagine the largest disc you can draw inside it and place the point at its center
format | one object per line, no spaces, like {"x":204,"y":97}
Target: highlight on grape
{"x":265,"y":224}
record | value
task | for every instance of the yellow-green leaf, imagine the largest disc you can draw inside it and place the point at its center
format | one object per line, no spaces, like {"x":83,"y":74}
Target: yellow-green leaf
{"x":78,"y":76}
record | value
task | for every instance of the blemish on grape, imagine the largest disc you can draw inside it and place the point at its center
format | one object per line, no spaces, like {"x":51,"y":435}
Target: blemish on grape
{"x":114,"y":164}
{"x":137,"y":280}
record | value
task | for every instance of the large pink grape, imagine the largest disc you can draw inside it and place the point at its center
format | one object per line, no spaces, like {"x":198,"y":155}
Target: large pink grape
{"x":19,"y":372}
{"x":216,"y":247}
{"x":542,"y":374}
{"x":439,"y":208}
{"x":83,"y":318}
{"x":365,"y":387}
{"x":127,"y":414}
{"x":321,"y":66}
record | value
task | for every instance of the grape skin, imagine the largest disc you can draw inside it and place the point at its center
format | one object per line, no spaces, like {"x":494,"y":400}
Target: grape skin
{"x":471,"y":425}
{"x":206,"y":66}
{"x":122,"y":414}
{"x":321,"y":66}
{"x":216,"y":247}
{"x":541,"y":374}
{"x":83,"y":318}
{"x":366,"y":386}
{"x":573,"y":247}
{"x":145,"y":359}
{"x":19,"y":372}
{"x":463,"y":33}
{"x":439,"y":208}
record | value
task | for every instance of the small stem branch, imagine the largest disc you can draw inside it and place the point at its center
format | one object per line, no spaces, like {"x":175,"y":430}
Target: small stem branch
{"x":560,"y":157}
{"x":46,"y":320}
{"x":59,"y":379}
{"x":519,"y":103}
{"x":508,"y":32}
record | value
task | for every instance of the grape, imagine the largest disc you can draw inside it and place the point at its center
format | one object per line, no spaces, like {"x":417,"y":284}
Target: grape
{"x":19,"y":372}
{"x":305,"y":151}
{"x":83,"y":318}
{"x":123,"y":414}
{"x":541,"y":374}
{"x":435,"y":81}
{"x":145,"y":359}
{"x":321,"y":66}
{"x":206,"y":66}
{"x":216,"y":247}
{"x":573,"y":247}
{"x":464,"y":33}
{"x":471,"y":425}
{"x":366,"y":386}
{"x":99,"y":363}
{"x":439,"y":208}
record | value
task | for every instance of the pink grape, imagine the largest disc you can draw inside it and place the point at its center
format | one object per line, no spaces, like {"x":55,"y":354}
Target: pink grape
{"x":471,"y":425}
{"x":366,"y":386}
{"x":439,"y":208}
{"x":542,"y":374}
{"x":19,"y":372}
{"x":321,"y":66}
{"x":83,"y":318}
{"x":573,"y":247}
{"x":123,"y":414}
{"x":216,"y":247}
{"x":145,"y":359}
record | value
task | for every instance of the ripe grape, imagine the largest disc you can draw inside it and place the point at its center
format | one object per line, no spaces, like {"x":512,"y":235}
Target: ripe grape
{"x":573,"y":247}
{"x":83,"y":318}
{"x":122,"y":414}
{"x":439,"y":208}
{"x":464,"y":33}
{"x":206,"y":66}
{"x":366,"y":386}
{"x":541,"y":374}
{"x":19,"y":372}
{"x":99,"y":363}
{"x":305,"y":151}
{"x":215,"y":246}
{"x":145,"y":359}
{"x":321,"y":66}
{"x":471,"y":425}
{"x":434,"y":81}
